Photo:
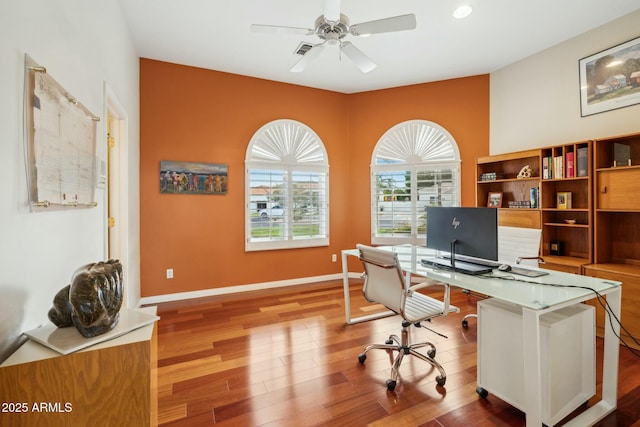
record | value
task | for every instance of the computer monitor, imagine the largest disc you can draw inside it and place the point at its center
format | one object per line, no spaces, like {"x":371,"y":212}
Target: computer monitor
{"x":472,"y":232}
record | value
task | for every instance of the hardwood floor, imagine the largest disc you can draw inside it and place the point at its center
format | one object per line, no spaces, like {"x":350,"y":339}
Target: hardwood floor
{"x":285,"y":357}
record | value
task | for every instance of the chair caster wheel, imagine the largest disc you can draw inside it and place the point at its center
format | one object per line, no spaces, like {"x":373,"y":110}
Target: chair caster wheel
{"x":431,"y":353}
{"x":482,"y":392}
{"x":361,"y":358}
{"x":441,"y":380}
{"x":465,"y":324}
{"x":391,"y":385}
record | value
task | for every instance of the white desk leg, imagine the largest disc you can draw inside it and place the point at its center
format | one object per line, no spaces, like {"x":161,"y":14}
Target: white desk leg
{"x":347,"y":297}
{"x":532,"y":367}
{"x":609,"y":400}
{"x":345,"y":285}
{"x":611,"y":351}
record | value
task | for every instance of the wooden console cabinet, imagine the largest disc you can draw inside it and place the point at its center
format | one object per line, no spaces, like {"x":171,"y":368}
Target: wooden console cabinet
{"x":617,"y":226}
{"x":110,"y":384}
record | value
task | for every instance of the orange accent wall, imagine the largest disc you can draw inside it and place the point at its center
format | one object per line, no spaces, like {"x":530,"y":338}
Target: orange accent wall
{"x":199,"y":115}
{"x":461,"y":106}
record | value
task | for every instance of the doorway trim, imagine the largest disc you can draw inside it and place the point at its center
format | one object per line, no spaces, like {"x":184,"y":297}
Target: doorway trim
{"x":116,"y":194}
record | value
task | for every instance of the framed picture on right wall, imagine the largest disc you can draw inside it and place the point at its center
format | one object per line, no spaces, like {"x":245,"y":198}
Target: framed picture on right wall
{"x":610,"y":79}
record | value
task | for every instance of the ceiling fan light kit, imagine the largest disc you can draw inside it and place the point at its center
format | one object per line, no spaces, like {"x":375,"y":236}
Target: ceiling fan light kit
{"x":332,"y":27}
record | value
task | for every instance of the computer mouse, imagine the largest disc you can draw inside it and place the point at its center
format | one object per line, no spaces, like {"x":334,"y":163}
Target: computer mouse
{"x":504,"y":267}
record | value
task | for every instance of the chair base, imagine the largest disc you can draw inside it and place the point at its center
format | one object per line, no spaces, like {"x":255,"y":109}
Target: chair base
{"x":403,"y":347}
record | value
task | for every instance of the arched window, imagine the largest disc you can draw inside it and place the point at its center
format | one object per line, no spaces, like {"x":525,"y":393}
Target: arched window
{"x":287,"y":188}
{"x":415,"y":164}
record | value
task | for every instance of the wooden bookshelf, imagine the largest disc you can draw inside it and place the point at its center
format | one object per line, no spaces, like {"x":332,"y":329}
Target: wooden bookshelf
{"x":617,"y":226}
{"x":568,"y":227}
{"x":505,"y":168}
{"x":600,"y":231}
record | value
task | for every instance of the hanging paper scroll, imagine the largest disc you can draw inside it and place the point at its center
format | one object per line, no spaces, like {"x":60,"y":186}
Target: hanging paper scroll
{"x":60,"y":138}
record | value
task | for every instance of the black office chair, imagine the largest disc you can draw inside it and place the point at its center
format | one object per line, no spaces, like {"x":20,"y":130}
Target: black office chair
{"x":384,"y":283}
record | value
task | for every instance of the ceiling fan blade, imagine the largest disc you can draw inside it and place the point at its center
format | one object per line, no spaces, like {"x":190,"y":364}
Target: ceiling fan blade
{"x":386,"y":25}
{"x":331,"y":10}
{"x":276,"y":29}
{"x":307,"y":58}
{"x":361,"y":60}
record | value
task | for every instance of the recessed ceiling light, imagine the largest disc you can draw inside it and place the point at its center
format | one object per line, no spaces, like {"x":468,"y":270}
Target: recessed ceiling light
{"x":462,"y":11}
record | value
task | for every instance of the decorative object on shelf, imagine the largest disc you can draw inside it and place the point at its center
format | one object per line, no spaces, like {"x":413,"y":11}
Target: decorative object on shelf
{"x":491,"y":176}
{"x":92,"y":301}
{"x":525,"y":172}
{"x":494,"y":200}
{"x":193,"y":178}
{"x":556,"y":247}
{"x":605,"y":84}
{"x":520,"y":204}
{"x":621,"y":154}
{"x":563,"y":200}
{"x":570,"y":221}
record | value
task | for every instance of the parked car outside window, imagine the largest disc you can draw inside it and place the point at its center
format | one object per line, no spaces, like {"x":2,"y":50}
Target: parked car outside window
{"x":274,"y":212}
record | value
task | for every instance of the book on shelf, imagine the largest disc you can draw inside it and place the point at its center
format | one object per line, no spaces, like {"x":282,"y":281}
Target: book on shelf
{"x":563,"y":200}
{"x":569,"y":158}
{"x":583,"y":161}
{"x":558,"y":167}
{"x":534,"y":197}
{"x":545,"y":168}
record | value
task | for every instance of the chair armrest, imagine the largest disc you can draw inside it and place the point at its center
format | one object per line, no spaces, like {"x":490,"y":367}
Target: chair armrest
{"x":423,"y":285}
{"x":445,"y":299}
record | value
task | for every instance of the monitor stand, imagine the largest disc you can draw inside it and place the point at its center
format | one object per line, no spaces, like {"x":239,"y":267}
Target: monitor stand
{"x":454,"y":242}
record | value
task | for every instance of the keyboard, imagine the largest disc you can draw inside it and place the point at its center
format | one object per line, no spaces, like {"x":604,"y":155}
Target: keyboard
{"x":461,"y":266}
{"x":472,"y":260}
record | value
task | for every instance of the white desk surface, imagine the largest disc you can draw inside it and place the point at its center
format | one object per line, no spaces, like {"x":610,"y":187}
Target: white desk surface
{"x":521,"y":290}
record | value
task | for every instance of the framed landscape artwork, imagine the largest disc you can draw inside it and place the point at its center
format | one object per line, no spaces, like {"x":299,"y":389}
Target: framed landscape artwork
{"x":610,"y":79}
{"x":193,"y":178}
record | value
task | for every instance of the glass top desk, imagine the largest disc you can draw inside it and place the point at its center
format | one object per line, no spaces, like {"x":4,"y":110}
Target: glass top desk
{"x":535,"y":299}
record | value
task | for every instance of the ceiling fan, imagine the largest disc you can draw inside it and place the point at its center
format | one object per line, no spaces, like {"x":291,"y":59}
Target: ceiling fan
{"x":332,"y":27}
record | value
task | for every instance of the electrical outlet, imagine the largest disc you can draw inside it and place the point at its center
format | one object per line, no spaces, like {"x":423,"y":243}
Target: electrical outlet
{"x":334,"y":257}
{"x":169,"y":273}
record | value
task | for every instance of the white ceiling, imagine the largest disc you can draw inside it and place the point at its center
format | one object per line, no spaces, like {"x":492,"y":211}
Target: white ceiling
{"x":214,"y":34}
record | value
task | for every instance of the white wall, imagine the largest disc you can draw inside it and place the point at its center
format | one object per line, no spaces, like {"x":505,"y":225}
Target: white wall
{"x":82,"y":44}
{"x":536,"y":102}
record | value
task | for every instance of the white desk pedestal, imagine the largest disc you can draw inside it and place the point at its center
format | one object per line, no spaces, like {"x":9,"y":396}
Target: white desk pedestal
{"x":567,"y":346}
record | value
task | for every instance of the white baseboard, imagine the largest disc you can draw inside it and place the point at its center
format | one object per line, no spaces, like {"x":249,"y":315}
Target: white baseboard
{"x":156,"y":299}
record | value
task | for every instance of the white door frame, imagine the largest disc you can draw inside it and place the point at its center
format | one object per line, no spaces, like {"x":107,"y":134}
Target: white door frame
{"x":116,"y":192}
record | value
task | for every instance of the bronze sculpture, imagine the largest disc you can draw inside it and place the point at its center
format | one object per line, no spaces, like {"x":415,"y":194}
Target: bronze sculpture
{"x":92,"y":301}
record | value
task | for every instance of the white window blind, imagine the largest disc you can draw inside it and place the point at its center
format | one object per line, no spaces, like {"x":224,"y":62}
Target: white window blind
{"x":414,"y":165}
{"x":287,"y":194}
